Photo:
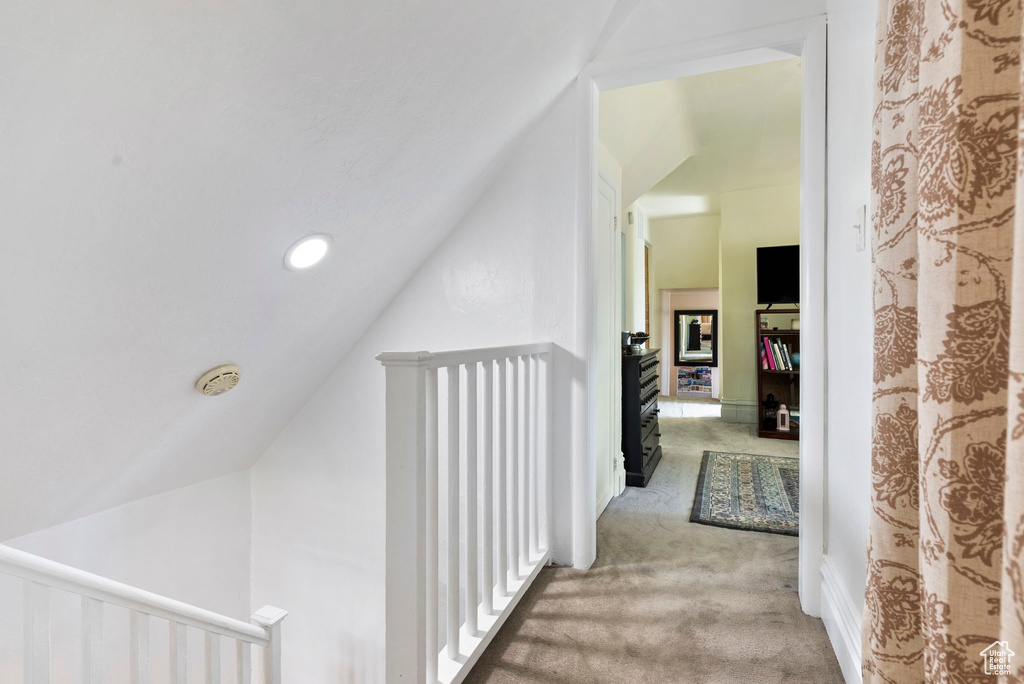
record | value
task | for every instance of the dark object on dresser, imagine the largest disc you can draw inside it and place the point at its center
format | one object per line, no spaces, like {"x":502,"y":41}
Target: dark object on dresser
{"x":640,"y":431}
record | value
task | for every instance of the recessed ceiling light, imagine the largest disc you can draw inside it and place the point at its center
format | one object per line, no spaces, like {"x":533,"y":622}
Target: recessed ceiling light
{"x":307,"y":252}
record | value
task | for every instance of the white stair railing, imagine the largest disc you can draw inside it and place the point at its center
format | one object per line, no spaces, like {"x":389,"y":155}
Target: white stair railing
{"x":497,"y":457}
{"x":41,"y":575}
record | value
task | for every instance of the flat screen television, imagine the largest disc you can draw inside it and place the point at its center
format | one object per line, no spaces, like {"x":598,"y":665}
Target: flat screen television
{"x":778,"y":274}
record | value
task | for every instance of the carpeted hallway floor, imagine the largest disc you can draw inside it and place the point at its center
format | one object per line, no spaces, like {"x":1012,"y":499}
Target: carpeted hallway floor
{"x":669,"y":600}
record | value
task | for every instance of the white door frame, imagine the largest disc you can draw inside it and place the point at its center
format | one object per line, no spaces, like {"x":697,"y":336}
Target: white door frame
{"x":607,"y":370}
{"x":618,"y":461}
{"x":799,"y":38}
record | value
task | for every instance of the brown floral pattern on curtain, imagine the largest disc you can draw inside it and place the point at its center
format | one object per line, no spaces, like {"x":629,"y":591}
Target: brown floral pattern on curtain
{"x":946,"y":546}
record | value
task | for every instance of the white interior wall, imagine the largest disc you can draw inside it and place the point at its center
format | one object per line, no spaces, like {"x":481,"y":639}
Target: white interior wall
{"x":684,"y":256}
{"x":637,"y":234}
{"x":156,"y":544}
{"x":685,"y":252}
{"x":191,"y":544}
{"x":609,"y":163}
{"x":503,"y":277}
{"x":850,"y":325}
{"x":759,"y":217}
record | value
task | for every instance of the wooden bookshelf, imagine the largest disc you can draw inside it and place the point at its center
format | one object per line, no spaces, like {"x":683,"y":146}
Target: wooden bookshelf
{"x":783,"y":384}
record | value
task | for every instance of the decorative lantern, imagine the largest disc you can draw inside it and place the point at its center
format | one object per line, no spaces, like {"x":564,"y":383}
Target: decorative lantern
{"x":782,"y":419}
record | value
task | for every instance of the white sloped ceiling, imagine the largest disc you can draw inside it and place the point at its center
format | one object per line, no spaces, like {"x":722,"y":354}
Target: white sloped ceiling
{"x":157,"y":160}
{"x":648,"y":130}
{"x":746,"y":124}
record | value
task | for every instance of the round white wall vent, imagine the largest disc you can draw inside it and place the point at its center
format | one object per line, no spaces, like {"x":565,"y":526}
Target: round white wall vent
{"x":219,"y":380}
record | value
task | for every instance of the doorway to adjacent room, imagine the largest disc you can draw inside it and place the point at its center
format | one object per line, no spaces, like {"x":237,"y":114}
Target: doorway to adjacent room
{"x":710,"y":193}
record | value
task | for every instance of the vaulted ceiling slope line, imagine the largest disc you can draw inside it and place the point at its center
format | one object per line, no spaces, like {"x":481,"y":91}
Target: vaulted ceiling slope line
{"x":746,"y":123}
{"x":159,"y":159}
{"x":648,"y":129}
{"x":655,"y":25}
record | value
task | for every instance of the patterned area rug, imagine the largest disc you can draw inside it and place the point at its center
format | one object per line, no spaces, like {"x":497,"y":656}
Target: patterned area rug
{"x":748,"y":492}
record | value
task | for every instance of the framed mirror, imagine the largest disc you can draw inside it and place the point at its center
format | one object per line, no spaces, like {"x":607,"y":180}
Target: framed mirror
{"x":696,"y":334}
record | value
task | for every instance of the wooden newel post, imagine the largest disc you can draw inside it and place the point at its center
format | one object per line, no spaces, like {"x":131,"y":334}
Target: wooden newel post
{"x":270,"y":619}
{"x":405,"y":649}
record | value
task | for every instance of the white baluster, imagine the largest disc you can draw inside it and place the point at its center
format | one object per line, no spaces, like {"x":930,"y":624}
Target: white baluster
{"x":269,"y":618}
{"x":454,"y":587}
{"x":431,"y":523}
{"x":37,"y":633}
{"x":211,"y":655}
{"x":92,"y":641}
{"x":487,"y":485}
{"x":501,"y":468}
{"x":138,"y":664}
{"x":178,"y":652}
{"x":535,"y":476}
{"x":513,"y":475}
{"x":525,"y":493}
{"x":472,"y":549}
{"x":243,"y":662}
{"x":547,"y":444}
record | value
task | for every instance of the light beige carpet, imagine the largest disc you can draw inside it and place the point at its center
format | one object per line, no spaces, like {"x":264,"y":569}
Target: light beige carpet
{"x":669,"y":600}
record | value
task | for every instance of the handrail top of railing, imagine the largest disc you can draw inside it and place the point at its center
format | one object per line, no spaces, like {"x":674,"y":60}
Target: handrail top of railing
{"x":424,"y":359}
{"x":59,"y":576}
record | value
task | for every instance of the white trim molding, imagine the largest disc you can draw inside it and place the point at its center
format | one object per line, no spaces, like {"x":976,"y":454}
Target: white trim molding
{"x":842,"y":622}
{"x":730,"y":51}
{"x":739,"y":411}
{"x":813,"y":362}
{"x":603,"y":502}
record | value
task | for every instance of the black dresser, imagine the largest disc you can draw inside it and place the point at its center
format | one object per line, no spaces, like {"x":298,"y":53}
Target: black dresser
{"x":640,"y":431}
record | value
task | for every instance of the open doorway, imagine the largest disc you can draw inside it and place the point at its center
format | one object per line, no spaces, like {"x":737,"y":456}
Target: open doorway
{"x":690,"y":339}
{"x":694,"y":199}
{"x":711,"y":171}
{"x":709,"y":167}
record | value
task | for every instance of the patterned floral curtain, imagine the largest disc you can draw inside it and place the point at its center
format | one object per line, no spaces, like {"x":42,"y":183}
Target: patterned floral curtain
{"x":947,"y":525}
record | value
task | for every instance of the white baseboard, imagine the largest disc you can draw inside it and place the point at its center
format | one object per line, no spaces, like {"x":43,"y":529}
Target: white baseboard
{"x":603,"y":502}
{"x":842,"y":622}
{"x":739,"y":410}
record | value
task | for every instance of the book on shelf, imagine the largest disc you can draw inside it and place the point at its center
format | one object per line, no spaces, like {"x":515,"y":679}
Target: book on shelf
{"x":786,"y":361}
{"x":769,"y":353}
{"x":780,"y":364}
{"x":776,"y":355}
